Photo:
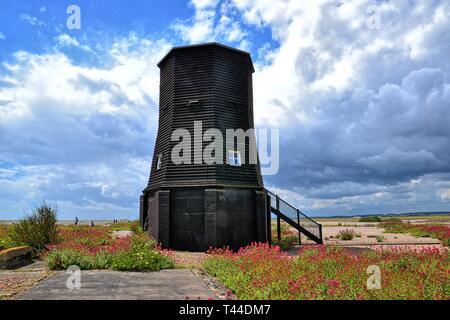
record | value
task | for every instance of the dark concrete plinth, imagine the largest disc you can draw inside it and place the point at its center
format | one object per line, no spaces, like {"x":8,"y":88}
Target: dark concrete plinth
{"x":157,"y":220}
{"x":195,"y":219}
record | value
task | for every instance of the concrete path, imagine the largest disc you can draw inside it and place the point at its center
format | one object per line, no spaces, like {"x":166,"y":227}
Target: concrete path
{"x":112,"y":285}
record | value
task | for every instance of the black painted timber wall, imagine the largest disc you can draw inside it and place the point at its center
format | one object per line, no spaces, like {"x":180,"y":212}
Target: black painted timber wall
{"x":194,"y":206}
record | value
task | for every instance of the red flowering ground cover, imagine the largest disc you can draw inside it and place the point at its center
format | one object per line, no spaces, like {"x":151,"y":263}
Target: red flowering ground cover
{"x":439,"y":231}
{"x":96,"y":248}
{"x":90,"y":240}
{"x":261,"y":271}
{"x":289,"y":236}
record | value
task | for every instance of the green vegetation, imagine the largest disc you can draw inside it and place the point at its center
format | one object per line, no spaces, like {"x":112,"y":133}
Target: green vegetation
{"x":133,"y":226}
{"x":137,"y":253}
{"x":141,"y":257}
{"x":5,"y":240}
{"x":62,"y":259}
{"x":347,"y":234}
{"x":88,"y":247}
{"x":370,"y":219}
{"x":426,"y":218}
{"x":37,"y":230}
{"x":289,"y":236}
{"x":340,"y":219}
{"x":287,"y":242}
{"x":441,"y":232}
{"x":261,"y":271}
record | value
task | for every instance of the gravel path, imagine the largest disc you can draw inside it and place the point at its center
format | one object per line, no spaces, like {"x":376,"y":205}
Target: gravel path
{"x":14,"y":282}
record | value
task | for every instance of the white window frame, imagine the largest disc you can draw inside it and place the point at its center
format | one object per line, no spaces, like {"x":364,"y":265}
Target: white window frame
{"x":234,"y":158}
{"x":159,"y":162}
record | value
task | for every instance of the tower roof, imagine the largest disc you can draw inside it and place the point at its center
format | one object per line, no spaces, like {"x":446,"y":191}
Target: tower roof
{"x":206,"y":45}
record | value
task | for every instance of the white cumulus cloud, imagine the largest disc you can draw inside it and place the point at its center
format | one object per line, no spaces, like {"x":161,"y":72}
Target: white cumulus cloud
{"x":65,"y":129}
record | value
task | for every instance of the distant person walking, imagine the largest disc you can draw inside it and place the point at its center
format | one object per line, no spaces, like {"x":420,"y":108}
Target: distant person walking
{"x":92,"y":223}
{"x":76,"y":221}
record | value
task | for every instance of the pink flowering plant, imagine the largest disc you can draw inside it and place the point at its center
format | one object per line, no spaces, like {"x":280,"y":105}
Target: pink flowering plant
{"x":95,"y":248}
{"x":437,"y":231}
{"x":261,"y":271}
{"x":289,"y":236}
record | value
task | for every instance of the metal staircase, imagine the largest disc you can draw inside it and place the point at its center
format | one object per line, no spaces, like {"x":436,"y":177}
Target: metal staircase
{"x":295,"y":218}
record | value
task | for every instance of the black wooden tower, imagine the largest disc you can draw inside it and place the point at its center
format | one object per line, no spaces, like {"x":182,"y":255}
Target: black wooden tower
{"x":194,"y":206}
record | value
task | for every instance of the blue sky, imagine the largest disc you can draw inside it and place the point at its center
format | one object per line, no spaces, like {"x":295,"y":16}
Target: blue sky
{"x":359,"y":89}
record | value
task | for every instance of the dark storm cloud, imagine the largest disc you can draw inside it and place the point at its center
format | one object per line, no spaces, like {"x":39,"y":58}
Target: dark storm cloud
{"x":394,"y":135}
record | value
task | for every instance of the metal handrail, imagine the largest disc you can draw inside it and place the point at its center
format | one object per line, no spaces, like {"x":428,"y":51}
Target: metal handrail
{"x":311,"y":226}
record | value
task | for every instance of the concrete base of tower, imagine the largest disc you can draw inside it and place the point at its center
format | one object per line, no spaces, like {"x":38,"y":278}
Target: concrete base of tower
{"x":195,"y":219}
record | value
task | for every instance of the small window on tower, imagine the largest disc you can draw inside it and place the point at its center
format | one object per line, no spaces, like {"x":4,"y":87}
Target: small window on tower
{"x":193,"y":102}
{"x":159,"y":162}
{"x":234,"y":158}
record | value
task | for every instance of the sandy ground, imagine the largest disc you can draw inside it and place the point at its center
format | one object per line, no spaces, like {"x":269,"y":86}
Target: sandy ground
{"x":367,"y":234}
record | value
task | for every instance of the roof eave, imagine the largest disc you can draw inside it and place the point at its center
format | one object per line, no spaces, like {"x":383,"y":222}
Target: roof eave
{"x":206,"y":44}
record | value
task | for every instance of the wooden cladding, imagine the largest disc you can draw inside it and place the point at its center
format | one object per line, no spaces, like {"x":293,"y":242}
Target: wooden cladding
{"x":211,"y":83}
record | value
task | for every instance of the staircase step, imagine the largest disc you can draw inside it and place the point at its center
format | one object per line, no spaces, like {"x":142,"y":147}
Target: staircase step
{"x":280,"y":208}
